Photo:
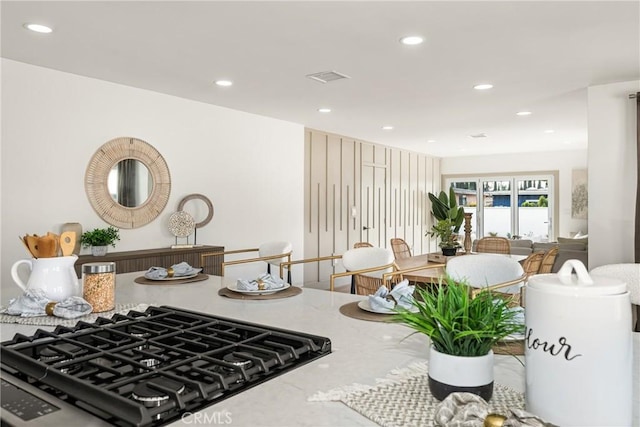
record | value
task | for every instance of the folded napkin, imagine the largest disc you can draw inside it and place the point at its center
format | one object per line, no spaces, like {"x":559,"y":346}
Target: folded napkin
{"x":470,"y":410}
{"x":176,"y":270}
{"x":34,"y":302}
{"x":263,"y":282}
{"x":401,"y":295}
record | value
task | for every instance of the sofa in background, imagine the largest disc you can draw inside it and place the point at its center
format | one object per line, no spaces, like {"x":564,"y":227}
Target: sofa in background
{"x":568,"y":248}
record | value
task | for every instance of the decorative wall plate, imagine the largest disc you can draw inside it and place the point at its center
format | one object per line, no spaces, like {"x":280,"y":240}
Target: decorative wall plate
{"x":206,"y":200}
{"x":181,"y":224}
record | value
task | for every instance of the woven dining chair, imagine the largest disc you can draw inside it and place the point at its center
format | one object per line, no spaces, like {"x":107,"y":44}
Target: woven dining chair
{"x":494,"y":245}
{"x":486,"y":271}
{"x":548,"y":260}
{"x":273,"y":253}
{"x":531,"y":264}
{"x":362,"y":245}
{"x":400,"y":248}
{"x":371,"y":268}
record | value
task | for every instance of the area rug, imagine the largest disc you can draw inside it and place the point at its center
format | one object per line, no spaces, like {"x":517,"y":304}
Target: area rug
{"x":403,"y":398}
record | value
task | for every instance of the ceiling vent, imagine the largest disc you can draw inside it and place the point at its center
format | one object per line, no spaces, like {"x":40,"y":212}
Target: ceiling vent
{"x":479,"y":135}
{"x":327,"y":76}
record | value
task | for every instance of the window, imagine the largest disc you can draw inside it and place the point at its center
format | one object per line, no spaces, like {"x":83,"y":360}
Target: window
{"x":508,"y":206}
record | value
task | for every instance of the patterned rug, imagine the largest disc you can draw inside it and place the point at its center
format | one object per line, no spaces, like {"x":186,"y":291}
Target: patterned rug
{"x":403,"y":398}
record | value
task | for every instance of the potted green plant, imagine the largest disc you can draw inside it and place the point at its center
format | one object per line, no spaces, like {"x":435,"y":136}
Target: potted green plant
{"x":444,"y":231}
{"x":99,"y":239}
{"x":462,"y":331}
{"x":449,"y":217}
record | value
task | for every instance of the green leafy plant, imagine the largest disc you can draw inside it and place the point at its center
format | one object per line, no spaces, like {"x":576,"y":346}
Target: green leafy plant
{"x":443,"y":230}
{"x":458,"y":324}
{"x":100,"y":237}
{"x":449,"y":217}
{"x":446,"y":207}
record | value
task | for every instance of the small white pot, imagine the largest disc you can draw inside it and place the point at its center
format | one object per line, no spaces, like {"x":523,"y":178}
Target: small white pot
{"x":449,"y":374}
{"x":99,"y":250}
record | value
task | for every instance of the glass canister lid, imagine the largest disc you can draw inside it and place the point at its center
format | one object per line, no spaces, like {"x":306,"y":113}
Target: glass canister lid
{"x":579,"y":284}
{"x":99,"y":267}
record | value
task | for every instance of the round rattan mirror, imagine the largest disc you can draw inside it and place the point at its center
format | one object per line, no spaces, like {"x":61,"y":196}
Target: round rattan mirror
{"x":140,"y":175}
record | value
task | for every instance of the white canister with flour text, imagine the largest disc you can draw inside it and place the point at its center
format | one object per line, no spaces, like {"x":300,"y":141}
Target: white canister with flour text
{"x":578,"y":348}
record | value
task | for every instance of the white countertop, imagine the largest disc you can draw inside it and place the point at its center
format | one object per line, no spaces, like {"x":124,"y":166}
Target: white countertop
{"x":362,"y":351}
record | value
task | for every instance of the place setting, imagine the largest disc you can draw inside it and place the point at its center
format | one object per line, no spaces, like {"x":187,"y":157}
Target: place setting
{"x":175,"y":275}
{"x":380,"y":306}
{"x":265,"y":286}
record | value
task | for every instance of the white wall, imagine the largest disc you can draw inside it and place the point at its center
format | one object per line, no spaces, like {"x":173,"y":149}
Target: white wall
{"x":562,"y":161}
{"x":612,"y":172}
{"x":251,"y":167}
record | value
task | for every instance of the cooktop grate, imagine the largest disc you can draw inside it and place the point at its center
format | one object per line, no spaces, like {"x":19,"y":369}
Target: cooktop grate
{"x":148,"y":368}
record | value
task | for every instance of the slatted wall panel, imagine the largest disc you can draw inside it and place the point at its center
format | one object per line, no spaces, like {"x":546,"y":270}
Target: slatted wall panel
{"x":351,"y":185}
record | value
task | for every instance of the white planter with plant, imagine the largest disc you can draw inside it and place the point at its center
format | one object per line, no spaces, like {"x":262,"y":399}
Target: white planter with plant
{"x":99,"y":239}
{"x":462,"y":331}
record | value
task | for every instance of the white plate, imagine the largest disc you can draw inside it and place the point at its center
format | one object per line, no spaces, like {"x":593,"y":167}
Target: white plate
{"x":234,"y":287}
{"x":364,"y":304}
{"x":194,"y":273}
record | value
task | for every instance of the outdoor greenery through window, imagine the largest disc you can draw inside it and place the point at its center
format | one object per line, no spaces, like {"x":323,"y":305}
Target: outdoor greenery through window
{"x":512,"y":206}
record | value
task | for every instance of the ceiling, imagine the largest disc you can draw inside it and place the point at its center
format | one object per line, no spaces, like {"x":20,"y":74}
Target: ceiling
{"x":540,"y":56}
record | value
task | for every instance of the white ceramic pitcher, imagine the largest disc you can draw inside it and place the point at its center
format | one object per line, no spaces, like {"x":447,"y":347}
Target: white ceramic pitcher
{"x":55,"y":276}
{"x":578,"y":348}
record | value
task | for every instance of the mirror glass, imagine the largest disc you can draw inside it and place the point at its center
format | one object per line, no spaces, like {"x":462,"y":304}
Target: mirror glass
{"x":130,"y":183}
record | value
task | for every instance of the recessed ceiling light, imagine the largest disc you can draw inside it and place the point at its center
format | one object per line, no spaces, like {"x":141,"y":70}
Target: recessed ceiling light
{"x":411,"y":40}
{"x":523,"y":113}
{"x":324,"y":110}
{"x":483,"y":86}
{"x":38,"y":28}
{"x":549,"y":131}
{"x":387,"y":127}
{"x":224,"y":83}
{"x":479,"y":135}
{"x":431,"y":140}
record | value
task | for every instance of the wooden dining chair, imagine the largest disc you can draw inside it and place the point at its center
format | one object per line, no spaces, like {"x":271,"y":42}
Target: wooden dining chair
{"x":494,"y":245}
{"x":548,"y":260}
{"x":400,"y":248}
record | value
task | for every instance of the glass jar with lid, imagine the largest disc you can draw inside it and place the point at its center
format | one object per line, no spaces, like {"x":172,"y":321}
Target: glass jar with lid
{"x":99,"y":285}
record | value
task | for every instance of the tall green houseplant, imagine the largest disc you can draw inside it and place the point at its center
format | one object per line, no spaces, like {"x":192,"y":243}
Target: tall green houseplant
{"x":449,"y":217}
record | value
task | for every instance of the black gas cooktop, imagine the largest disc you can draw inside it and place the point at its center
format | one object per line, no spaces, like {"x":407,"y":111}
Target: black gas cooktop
{"x":148,"y":368}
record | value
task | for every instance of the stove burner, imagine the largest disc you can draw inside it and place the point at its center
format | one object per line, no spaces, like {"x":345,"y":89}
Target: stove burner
{"x":150,"y":363}
{"x":71,"y":370}
{"x":149,"y":393}
{"x":241,"y":360}
{"x":47,"y":354}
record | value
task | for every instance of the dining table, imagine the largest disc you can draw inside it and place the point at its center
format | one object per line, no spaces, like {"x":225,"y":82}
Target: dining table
{"x":432,"y":273}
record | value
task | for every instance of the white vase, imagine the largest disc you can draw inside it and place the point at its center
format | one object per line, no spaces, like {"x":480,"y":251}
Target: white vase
{"x":99,"y":250}
{"x":449,"y":374}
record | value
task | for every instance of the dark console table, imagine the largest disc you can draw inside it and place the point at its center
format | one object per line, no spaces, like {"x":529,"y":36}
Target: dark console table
{"x":129,"y":261}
